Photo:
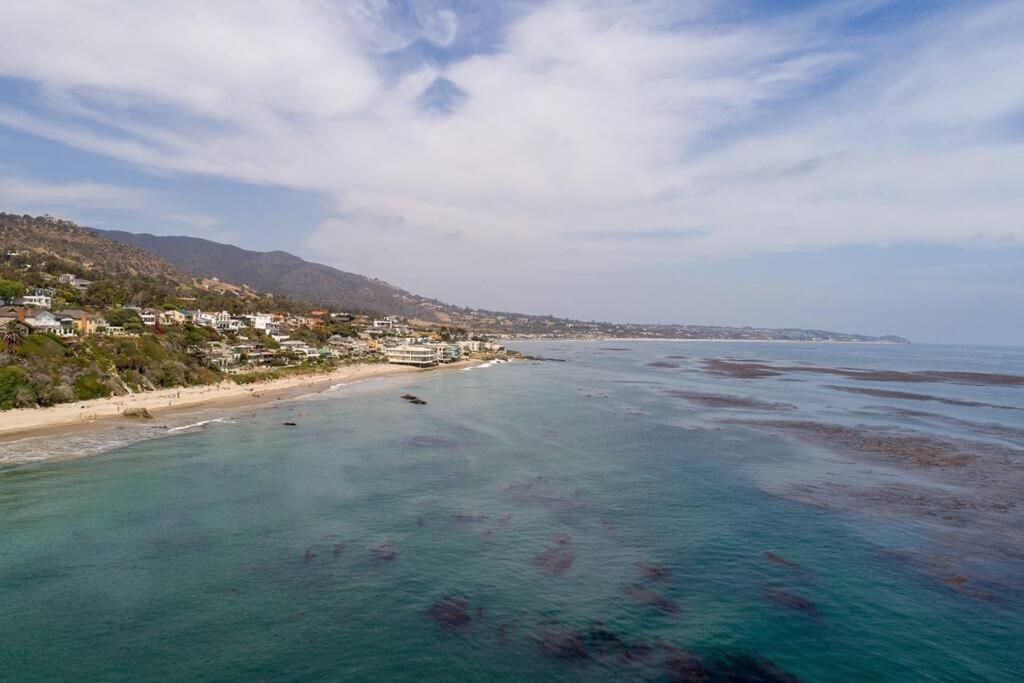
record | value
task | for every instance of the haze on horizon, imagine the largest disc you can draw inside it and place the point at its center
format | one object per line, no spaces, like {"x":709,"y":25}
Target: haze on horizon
{"x":848,"y":165}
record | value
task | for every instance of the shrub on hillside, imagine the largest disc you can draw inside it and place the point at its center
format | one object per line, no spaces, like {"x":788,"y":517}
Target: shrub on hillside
{"x":15,"y":389}
{"x":90,"y":386}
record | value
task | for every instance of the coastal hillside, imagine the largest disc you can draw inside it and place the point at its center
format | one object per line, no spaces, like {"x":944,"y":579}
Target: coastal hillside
{"x":284,"y":273}
{"x":52,"y":238}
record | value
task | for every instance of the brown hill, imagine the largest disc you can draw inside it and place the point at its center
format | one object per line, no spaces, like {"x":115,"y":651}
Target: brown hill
{"x":90,"y":250}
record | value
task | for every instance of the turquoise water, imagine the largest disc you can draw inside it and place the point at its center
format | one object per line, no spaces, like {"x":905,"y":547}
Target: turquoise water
{"x":245,"y":550}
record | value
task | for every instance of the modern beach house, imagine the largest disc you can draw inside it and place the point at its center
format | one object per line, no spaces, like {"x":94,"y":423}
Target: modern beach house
{"x":420,"y":356}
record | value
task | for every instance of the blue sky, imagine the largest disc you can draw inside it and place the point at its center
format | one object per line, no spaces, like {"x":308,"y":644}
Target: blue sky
{"x":844,"y":165}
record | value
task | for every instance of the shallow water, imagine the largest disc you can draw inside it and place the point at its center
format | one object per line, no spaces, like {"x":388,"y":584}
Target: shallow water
{"x":484,"y":534}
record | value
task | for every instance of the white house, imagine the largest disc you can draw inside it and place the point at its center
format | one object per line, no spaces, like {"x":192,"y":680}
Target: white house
{"x":37,"y":299}
{"x":262,"y":321}
{"x":419,"y":356}
{"x":44,"y":321}
{"x":220,"y":321}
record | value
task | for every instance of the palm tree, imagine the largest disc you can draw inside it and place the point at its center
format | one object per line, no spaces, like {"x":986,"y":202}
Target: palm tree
{"x":14,"y":335}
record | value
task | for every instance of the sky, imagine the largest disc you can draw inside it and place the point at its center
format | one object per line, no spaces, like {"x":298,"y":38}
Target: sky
{"x":846,"y":165}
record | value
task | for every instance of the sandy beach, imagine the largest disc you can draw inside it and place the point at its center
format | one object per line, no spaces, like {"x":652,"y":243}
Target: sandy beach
{"x":81,"y":415}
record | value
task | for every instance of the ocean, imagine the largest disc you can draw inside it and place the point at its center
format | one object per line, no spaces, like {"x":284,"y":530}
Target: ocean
{"x":621,"y":510}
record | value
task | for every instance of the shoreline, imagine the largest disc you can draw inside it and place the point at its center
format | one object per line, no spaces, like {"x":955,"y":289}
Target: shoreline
{"x":82,"y":416}
{"x":688,"y":339}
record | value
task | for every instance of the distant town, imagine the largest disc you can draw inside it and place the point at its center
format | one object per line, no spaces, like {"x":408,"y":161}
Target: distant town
{"x":249,"y":340}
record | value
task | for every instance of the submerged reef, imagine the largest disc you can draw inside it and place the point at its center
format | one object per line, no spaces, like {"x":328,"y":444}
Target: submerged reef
{"x":753,"y":370}
{"x":728,"y":401}
{"x":451,"y":612}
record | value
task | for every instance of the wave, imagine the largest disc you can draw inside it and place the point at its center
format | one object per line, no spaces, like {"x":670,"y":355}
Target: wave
{"x":342,"y":385}
{"x":199,"y":424}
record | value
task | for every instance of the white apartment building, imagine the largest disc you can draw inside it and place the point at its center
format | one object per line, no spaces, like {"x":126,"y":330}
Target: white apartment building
{"x":419,"y":356}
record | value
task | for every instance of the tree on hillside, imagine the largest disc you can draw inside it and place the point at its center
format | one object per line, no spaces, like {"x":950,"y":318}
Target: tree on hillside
{"x":14,"y":335}
{"x":10,"y":289}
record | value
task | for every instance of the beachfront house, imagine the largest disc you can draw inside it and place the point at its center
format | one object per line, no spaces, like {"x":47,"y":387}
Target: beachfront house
{"x":447,"y":353}
{"x":408,"y":354}
{"x":221,"y":355}
{"x":349,"y":345}
{"x":300,"y":348}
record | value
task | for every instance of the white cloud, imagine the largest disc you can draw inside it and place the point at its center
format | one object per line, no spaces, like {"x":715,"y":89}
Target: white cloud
{"x":588,"y":118}
{"x":30,"y":195}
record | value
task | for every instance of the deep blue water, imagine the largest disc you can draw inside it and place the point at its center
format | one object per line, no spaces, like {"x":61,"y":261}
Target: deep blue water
{"x":245,"y":550}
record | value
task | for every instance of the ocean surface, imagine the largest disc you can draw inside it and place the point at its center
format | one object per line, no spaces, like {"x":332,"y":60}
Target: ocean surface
{"x":628,"y":511}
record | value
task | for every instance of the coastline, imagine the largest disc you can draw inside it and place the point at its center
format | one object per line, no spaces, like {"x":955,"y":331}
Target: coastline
{"x":82,"y":416}
{"x":689,"y":339}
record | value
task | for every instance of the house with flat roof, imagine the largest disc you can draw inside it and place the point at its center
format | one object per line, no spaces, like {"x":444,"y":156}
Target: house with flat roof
{"x":408,"y":354}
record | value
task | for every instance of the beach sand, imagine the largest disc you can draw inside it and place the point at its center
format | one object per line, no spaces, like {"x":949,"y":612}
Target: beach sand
{"x":99,"y":413}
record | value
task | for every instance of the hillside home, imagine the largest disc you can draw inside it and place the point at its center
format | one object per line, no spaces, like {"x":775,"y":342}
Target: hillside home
{"x":220,"y":321}
{"x":262,"y":321}
{"x":306,"y":321}
{"x":85,"y":322}
{"x":9,"y":314}
{"x":39,"y":298}
{"x":44,"y":321}
{"x":81,"y":284}
{"x":173,"y":317}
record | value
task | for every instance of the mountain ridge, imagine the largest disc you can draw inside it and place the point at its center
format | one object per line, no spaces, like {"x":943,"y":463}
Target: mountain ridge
{"x":364,"y":293}
{"x":282,"y":272}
